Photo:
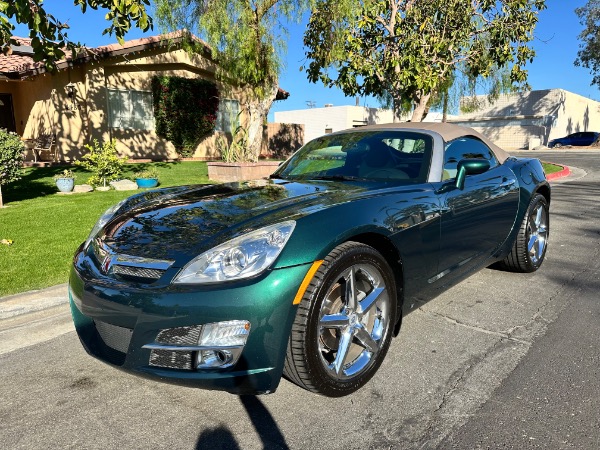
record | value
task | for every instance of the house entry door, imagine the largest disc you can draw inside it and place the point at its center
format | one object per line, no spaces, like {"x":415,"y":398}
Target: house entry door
{"x":7,"y":116}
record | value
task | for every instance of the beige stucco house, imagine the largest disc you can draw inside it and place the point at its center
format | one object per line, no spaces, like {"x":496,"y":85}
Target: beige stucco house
{"x":105,"y":93}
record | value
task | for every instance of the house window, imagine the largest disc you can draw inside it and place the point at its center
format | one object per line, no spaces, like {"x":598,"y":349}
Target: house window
{"x":227,"y":115}
{"x":130,"y":109}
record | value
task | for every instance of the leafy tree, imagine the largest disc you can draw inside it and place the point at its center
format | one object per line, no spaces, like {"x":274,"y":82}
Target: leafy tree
{"x":11,"y":158}
{"x":49,"y":34}
{"x":247,"y":39}
{"x":589,"y":53}
{"x":410,"y":48}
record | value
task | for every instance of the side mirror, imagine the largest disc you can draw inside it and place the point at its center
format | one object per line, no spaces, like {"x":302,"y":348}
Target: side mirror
{"x":470,"y":167}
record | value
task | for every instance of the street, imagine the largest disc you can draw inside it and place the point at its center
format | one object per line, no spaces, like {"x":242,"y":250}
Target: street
{"x":502,"y":360}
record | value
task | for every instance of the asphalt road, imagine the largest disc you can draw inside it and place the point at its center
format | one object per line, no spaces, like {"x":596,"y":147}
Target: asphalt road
{"x":501,"y":361}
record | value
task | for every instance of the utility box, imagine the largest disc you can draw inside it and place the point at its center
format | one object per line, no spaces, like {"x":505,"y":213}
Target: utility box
{"x":534,"y":142}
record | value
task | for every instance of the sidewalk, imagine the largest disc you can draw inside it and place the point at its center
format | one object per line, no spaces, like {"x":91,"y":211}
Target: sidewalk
{"x":39,"y":300}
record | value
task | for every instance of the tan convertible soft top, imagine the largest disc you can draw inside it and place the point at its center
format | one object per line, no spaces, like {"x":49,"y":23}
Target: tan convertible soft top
{"x":447,"y":131}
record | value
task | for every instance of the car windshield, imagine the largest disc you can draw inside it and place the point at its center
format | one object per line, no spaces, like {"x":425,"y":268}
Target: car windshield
{"x":397,"y":156}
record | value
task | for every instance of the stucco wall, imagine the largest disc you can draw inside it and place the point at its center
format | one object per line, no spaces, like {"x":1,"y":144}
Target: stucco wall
{"x":576,"y":113}
{"x":280,"y":140}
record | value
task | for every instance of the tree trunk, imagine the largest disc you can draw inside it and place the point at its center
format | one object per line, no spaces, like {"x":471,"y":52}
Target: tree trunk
{"x":445,"y":108}
{"x":421,"y":101}
{"x":257,"y":116}
{"x":1,"y":202}
{"x":397,"y":109}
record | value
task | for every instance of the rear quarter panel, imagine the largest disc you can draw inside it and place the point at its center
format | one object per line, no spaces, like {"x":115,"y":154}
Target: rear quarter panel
{"x":532,"y":180}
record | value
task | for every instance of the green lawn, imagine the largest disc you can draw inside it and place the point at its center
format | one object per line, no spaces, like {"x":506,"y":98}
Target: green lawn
{"x":47,"y":227}
{"x":551,"y":168}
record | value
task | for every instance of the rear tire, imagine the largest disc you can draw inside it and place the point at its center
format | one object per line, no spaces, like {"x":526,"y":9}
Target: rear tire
{"x":529,"y":248}
{"x":344,"y":323}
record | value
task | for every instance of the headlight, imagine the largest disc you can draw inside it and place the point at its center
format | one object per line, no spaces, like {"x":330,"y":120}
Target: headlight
{"x":103,"y":220}
{"x":243,"y":257}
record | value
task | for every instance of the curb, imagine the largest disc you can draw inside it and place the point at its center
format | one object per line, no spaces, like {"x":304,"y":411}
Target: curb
{"x":33,"y":301}
{"x":563,"y":173}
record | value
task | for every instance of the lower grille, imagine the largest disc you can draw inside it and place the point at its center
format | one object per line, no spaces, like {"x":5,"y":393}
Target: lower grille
{"x":171,"y":359}
{"x":184,"y":336}
{"x":117,"y":338}
{"x":176,"y":359}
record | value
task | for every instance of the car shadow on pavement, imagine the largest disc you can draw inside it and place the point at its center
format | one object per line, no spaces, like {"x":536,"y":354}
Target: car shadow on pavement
{"x":262,"y":420}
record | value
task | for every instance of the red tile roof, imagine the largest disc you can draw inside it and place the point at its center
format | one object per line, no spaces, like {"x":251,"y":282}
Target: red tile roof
{"x":19,"y":65}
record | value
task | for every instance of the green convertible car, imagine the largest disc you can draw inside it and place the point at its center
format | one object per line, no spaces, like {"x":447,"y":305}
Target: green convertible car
{"x":305,"y":275}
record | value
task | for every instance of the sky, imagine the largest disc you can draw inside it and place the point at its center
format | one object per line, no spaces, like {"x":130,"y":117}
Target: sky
{"x":556,"y":44}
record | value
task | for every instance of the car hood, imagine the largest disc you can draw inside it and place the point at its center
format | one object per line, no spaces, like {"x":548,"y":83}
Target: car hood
{"x":179,"y":224}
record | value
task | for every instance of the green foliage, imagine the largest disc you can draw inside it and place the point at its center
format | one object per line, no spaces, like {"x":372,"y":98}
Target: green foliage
{"x":247,"y":40}
{"x":11,"y":156}
{"x":67,"y":173}
{"x":589,"y":53}
{"x":48,"y":34}
{"x":185,"y":110}
{"x":146,"y":173}
{"x":237,"y":149}
{"x":103,"y":162}
{"x":410,"y":48}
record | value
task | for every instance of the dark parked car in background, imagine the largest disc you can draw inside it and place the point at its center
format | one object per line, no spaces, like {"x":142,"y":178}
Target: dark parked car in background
{"x":306,"y":274}
{"x":581,"y":139}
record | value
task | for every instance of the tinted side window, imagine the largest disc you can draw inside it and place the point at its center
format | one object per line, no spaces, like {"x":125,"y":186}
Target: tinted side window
{"x":465,"y":148}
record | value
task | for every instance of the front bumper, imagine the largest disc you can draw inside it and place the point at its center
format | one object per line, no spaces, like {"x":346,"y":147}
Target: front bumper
{"x":116,"y":320}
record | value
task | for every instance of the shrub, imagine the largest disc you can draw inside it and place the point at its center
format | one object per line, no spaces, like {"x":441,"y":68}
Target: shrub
{"x":103,"y":162}
{"x":67,"y":173}
{"x":185,"y":110}
{"x":146,"y":173}
{"x":237,"y":149}
{"x":11,"y":158}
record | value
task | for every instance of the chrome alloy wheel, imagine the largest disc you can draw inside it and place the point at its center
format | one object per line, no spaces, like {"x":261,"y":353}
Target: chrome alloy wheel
{"x":353,"y":319}
{"x":537,"y":233}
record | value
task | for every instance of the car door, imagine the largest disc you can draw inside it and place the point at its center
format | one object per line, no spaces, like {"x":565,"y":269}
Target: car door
{"x":587,"y":138}
{"x":578,"y":139}
{"x":476,"y":220}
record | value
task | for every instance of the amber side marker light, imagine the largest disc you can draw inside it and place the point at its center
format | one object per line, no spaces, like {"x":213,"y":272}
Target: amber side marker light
{"x":307,"y":279}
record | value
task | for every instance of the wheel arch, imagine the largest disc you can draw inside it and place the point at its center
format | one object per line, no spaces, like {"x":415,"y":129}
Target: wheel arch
{"x":545,"y":191}
{"x":390,"y":253}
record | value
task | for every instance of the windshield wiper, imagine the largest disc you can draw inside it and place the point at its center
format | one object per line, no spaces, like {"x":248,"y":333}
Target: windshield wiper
{"x":336,"y":177}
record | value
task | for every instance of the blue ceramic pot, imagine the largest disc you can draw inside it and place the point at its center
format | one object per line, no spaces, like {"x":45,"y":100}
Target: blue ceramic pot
{"x":65,"y":184}
{"x":146,"y":182}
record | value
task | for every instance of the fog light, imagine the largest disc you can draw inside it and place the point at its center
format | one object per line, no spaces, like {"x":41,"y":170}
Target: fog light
{"x":219,"y":334}
{"x":227,"y":340}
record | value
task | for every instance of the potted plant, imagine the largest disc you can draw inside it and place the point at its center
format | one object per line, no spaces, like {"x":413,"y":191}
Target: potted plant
{"x":147,"y":178}
{"x":238,"y":162}
{"x":65,"y":181}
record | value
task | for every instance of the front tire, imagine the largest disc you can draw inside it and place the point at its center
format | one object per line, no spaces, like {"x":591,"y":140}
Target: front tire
{"x":529,"y":248}
{"x":344,"y":322}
